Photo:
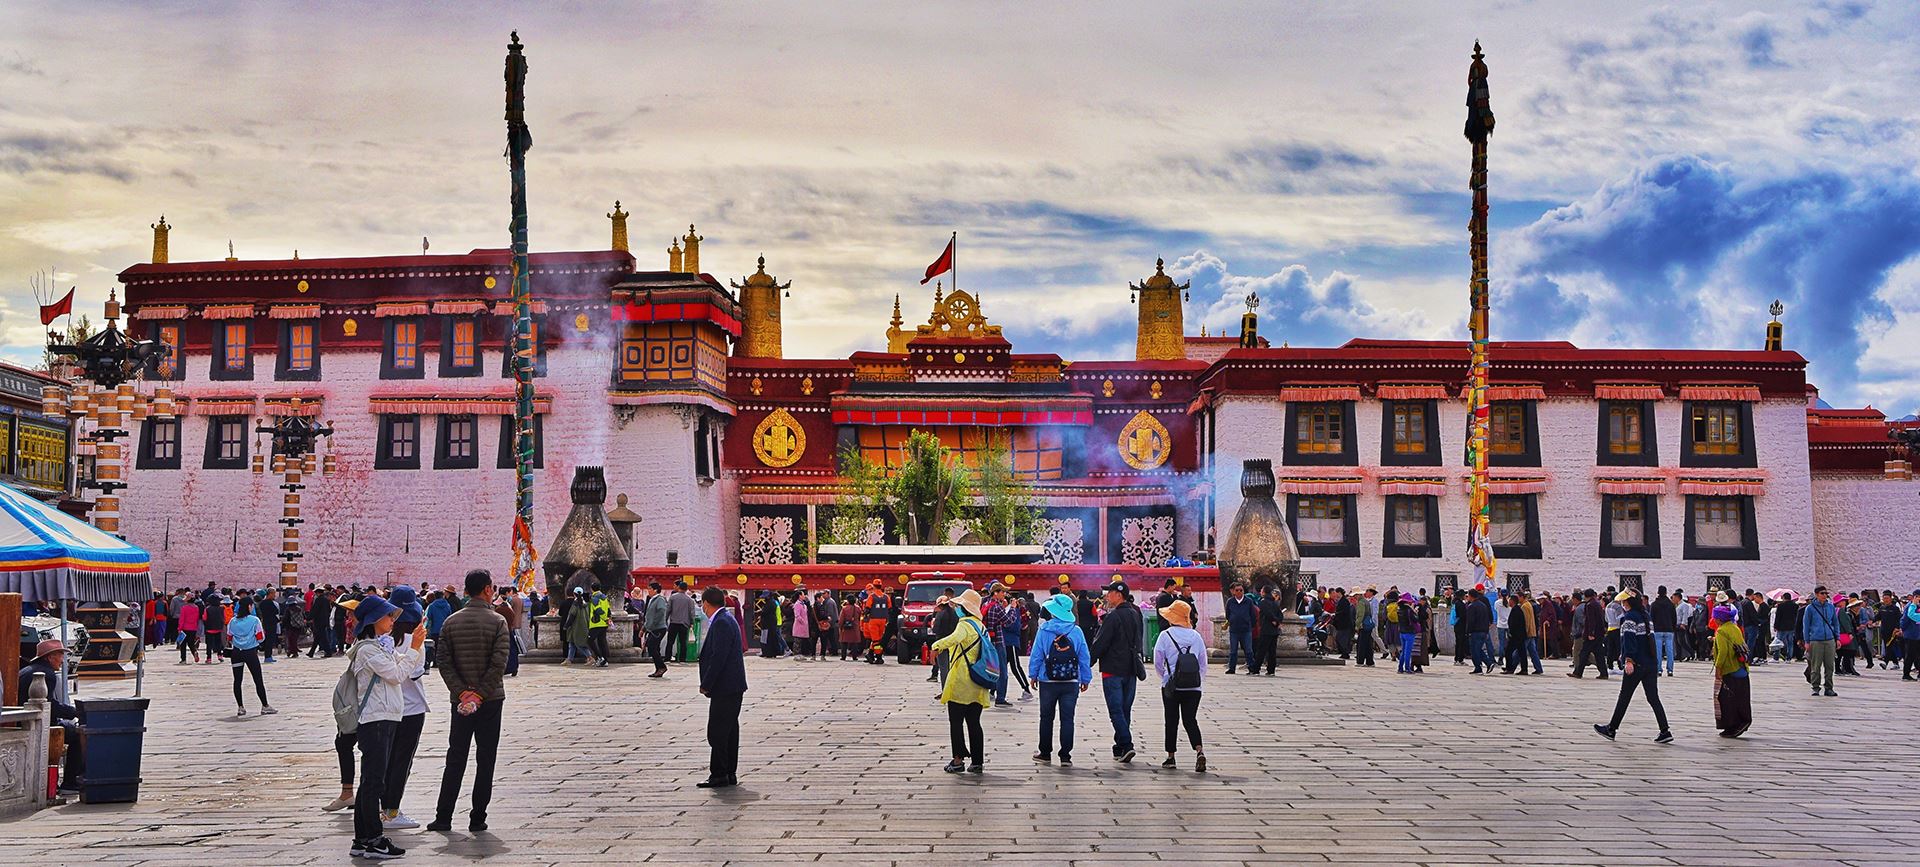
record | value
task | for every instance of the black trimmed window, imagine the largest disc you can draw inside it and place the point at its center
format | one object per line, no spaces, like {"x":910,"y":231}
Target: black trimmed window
{"x":539,"y":349}
{"x":1413,"y":526}
{"x":226,"y":442}
{"x":1409,"y":433}
{"x":706,"y":449}
{"x":232,"y":350}
{"x":399,"y":446}
{"x":400,"y":349}
{"x":1716,"y":434}
{"x":460,"y":346}
{"x":1513,"y":434}
{"x":159,"y":444}
{"x":1324,"y":525}
{"x":1627,"y":435}
{"x":1320,"y":434}
{"x":1721,"y":528}
{"x":299,"y":351}
{"x":458,"y":445}
{"x":1629,"y":526}
{"x":1514,"y":529}
{"x":166,"y":364}
{"x":506,"y":442}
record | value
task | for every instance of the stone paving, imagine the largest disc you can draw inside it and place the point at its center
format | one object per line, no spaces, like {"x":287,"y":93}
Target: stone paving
{"x":841,"y":765}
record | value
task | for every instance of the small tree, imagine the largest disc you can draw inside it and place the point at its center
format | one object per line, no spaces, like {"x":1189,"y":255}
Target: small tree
{"x":1006,"y":514}
{"x":929,"y":491}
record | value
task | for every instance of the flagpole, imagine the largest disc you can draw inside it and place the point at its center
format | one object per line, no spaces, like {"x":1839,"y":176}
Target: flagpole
{"x":1479,"y":505}
{"x":953,"y":268}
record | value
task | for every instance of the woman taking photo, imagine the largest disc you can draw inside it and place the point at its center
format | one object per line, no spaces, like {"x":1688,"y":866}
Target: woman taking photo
{"x":245,"y":634}
{"x":377,"y":669}
{"x":964,"y":697}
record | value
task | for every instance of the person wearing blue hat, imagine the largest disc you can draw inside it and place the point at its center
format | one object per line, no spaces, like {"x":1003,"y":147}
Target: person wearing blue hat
{"x":406,"y":738}
{"x":376,"y":669}
{"x":1062,"y":667}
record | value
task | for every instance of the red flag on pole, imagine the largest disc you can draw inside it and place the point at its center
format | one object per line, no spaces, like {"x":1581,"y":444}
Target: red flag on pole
{"x":943,"y":264}
{"x":64,"y":306}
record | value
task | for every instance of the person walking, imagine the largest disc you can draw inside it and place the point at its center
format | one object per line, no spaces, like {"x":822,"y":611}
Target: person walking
{"x":473,"y":666}
{"x":1522,"y":630}
{"x":188,"y":638}
{"x":679,"y":621}
{"x":1637,"y":666}
{"x":1786,"y":625}
{"x":1180,"y":660}
{"x":1272,"y":614}
{"x":1479,"y":620}
{"x":1910,"y":635}
{"x":213,"y":625}
{"x":293,"y":617}
{"x":1004,"y":623}
{"x":1665,"y":621}
{"x":1342,"y":623}
{"x":963,"y":693}
{"x":247,"y":636}
{"x":268,"y":613}
{"x":658,"y":625}
{"x":1241,"y":613}
{"x":599,"y":620}
{"x":1590,"y":625}
{"x":376,"y":668}
{"x":1364,"y":623}
{"x":1732,"y":691}
{"x":439,"y":608}
{"x":723,"y":680}
{"x":876,"y":620}
{"x":1062,"y":669}
{"x":1116,"y":646}
{"x":1819,"y":634}
{"x":320,"y":618}
{"x":943,"y":623}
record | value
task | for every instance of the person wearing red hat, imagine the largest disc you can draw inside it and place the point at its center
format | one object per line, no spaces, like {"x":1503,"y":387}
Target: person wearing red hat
{"x":50,"y":661}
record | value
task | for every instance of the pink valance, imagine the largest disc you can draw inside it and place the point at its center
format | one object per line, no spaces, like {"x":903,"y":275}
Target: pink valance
{"x":220,"y":406}
{"x":1413,"y":487}
{"x":1516,"y":392}
{"x":1319,"y":486}
{"x":459,"y":308}
{"x":1318,"y":393}
{"x":1629,"y":391}
{"x":1517,"y":486}
{"x":227,"y":311}
{"x":1723,"y":487}
{"x":309,"y":407}
{"x":294,"y":311}
{"x":169,"y":311}
{"x":505,"y":308}
{"x":1412,"y":391}
{"x":452,"y":405}
{"x":1631,"y":486}
{"x":417,"y":308}
{"x":1728,"y":391}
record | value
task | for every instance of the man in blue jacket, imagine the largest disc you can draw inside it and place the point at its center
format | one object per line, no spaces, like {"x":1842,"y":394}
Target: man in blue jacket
{"x":1240,"y":614}
{"x":1819,"y":632}
{"x":723,"y":680}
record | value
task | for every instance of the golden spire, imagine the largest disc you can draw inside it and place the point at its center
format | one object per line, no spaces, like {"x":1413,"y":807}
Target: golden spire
{"x":936,"y":293}
{"x":619,"y":219}
{"x":1161,"y":334}
{"x":673,"y":257}
{"x":896,"y":338}
{"x":692,"y":255}
{"x":160,"y":240}
{"x":759,"y":314}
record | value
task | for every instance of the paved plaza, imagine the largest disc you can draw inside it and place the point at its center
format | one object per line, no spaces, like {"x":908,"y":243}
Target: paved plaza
{"x":841,"y":764}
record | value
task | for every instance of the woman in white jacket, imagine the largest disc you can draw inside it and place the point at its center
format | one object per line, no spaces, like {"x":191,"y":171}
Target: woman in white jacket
{"x":378,"y":668}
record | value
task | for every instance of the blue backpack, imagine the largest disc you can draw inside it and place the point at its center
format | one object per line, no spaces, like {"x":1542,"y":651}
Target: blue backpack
{"x":985,"y":669}
{"x":1062,"y":662}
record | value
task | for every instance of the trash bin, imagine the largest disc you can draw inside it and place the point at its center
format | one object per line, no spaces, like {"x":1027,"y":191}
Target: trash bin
{"x":692,"y":652}
{"x":113,"y":731}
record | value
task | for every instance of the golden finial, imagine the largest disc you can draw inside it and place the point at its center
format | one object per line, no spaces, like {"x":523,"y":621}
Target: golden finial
{"x":674,"y":257}
{"x":690,"y":255}
{"x":936,"y":293}
{"x":160,"y":240}
{"x":619,"y":219}
{"x":896,"y":311}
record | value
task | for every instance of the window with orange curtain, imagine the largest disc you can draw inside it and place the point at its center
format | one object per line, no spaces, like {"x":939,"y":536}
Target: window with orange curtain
{"x":237,"y":351}
{"x":1036,"y":453}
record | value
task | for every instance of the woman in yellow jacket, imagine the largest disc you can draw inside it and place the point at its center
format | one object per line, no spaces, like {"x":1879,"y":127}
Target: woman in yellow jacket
{"x":964,"y":698}
{"x":1732,"y":693}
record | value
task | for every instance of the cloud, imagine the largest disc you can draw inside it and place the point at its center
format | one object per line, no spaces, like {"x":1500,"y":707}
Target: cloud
{"x":1688,"y":252}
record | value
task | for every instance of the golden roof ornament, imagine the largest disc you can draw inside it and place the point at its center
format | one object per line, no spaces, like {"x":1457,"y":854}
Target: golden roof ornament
{"x":160,"y":240}
{"x":619,"y":218}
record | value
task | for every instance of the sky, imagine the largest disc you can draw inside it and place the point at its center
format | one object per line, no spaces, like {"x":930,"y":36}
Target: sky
{"x":1660,"y":173}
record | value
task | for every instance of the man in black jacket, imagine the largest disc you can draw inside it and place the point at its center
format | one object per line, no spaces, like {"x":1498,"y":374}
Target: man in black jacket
{"x":1590,"y":622}
{"x":1116,"y":650}
{"x":1342,"y":622}
{"x":1786,"y":624}
{"x":1240,"y":616}
{"x":723,"y":680}
{"x":1478,"y":617}
{"x":1272,"y":613}
{"x":1665,"y":621}
{"x":944,"y":623}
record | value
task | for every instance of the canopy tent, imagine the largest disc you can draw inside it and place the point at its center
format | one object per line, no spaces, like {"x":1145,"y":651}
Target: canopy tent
{"x":47,"y":555}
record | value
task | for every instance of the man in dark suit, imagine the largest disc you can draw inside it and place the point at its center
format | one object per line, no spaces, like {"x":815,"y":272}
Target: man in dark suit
{"x":723,"y":680}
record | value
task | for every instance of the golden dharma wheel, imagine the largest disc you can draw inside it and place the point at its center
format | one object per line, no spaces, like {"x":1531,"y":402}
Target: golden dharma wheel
{"x":849,"y":580}
{"x":739,"y":579}
{"x":796,"y":580}
{"x":902,"y":579}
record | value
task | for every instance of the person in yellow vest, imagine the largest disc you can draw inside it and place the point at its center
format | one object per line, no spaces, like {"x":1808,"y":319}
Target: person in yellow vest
{"x":599,"y":617}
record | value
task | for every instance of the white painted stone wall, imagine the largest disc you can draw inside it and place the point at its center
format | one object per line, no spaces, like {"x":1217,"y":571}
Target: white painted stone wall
{"x":1253,"y":427}
{"x":1863,"y":533}
{"x":389,"y":526}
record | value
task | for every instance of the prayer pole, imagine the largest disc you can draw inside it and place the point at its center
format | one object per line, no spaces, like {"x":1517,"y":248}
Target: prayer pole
{"x":1479,"y":510}
{"x":519,"y":141}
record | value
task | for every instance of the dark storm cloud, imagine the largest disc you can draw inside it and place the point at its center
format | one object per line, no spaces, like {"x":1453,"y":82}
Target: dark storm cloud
{"x":30,"y":153}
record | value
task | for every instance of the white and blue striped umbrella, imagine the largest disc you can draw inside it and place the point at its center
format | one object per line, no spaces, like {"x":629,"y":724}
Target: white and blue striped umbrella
{"x":48,"y":555}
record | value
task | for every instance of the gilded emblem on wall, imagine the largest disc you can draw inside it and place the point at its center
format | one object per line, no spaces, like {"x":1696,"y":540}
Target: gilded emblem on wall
{"x":806,"y":385}
{"x":1144,"y":442}
{"x":581,"y":322}
{"x":1154,"y":390}
{"x":349,"y":328}
{"x":1106,"y":388}
{"x":778,"y":440}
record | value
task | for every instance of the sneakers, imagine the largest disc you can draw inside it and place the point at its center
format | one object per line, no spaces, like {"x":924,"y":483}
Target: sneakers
{"x":1831,"y":694}
{"x":243,"y":711}
{"x":338,"y":804}
{"x":1603,"y":731}
{"x":1066,"y":762}
{"x":1664,"y":737}
{"x":267,"y":710}
{"x":381,"y":849}
{"x":1026,"y":696}
{"x":441,"y":825}
{"x":1044,"y":759}
{"x":955,"y":766}
{"x":1169,"y":763}
{"x":1002,"y":703}
{"x":1199,"y":762}
{"x":1126,"y":758}
{"x":394,"y":820}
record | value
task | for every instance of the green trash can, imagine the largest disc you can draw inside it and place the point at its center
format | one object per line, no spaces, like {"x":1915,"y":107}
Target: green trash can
{"x":1153,"y":635}
{"x":692,"y":652}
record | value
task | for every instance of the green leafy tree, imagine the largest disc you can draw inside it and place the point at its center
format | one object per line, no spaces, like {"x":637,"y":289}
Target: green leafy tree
{"x":1006,"y":514}
{"x":929,"y":491}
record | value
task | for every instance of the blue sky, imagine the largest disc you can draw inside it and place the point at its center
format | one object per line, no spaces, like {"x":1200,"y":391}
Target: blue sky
{"x":1660,"y":173}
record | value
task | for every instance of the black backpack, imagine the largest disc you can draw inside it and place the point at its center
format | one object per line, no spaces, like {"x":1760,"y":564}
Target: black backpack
{"x":1061,"y":663}
{"x":1186,"y":669}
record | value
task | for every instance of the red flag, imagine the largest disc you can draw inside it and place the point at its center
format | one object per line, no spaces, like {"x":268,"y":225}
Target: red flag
{"x":941,"y":265}
{"x":64,"y":306}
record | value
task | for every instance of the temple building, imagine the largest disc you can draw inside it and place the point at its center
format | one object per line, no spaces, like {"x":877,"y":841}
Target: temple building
{"x":1610,"y":466}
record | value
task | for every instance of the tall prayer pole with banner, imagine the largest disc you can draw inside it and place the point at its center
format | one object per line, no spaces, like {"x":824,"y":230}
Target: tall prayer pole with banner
{"x":525,"y":560}
{"x":1479,"y":510}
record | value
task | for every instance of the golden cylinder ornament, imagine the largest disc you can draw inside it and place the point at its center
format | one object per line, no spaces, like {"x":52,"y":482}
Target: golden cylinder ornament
{"x":279,"y":463}
{"x":331,"y":465}
{"x":259,"y":464}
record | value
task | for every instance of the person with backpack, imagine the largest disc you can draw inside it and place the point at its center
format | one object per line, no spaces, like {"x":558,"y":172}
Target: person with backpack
{"x":1180,"y":659}
{"x":248,"y":636}
{"x":369,"y":704}
{"x":213,"y":624}
{"x":1732,"y":692}
{"x":1061,"y":667}
{"x":973,"y":670}
{"x":1819,"y":635}
{"x":1116,"y":644}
